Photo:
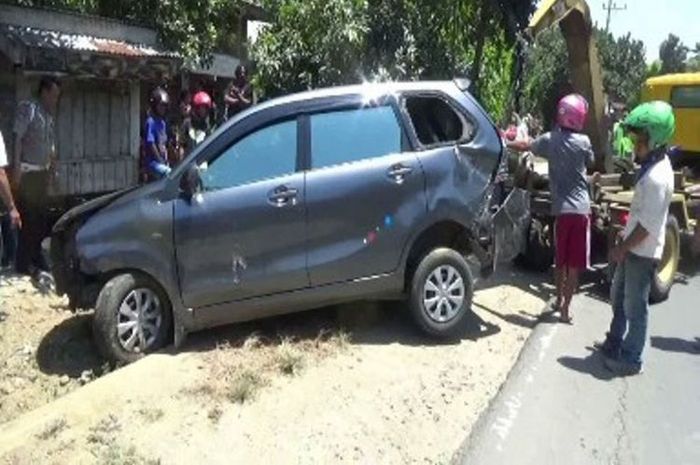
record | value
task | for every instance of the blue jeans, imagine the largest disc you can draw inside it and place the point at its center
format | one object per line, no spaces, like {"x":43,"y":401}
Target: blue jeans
{"x":630,"y":302}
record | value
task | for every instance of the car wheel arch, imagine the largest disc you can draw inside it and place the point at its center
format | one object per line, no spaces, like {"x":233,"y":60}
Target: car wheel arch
{"x":444,"y":233}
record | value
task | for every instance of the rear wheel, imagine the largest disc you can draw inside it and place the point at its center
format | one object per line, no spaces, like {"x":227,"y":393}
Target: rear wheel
{"x":668,"y":266}
{"x":539,"y":252}
{"x":441,"y":293}
{"x":132,"y":318}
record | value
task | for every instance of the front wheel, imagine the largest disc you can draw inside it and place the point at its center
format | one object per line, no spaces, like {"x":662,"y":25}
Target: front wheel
{"x":668,"y":266}
{"x":132,"y":318}
{"x":441,"y":293}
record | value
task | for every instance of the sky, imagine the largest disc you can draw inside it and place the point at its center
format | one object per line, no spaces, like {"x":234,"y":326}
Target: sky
{"x":652,"y":20}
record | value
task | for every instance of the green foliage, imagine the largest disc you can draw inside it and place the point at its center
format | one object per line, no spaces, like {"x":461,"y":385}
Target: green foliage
{"x":546,"y":71}
{"x":624,"y":66}
{"x":672,"y":54}
{"x":548,"y":76}
{"x":312,"y":43}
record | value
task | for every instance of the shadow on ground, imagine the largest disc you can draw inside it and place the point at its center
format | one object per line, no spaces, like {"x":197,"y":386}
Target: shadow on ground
{"x":68,"y":348}
{"x":676,"y":344}
{"x":365,"y":322}
{"x":592,"y":365}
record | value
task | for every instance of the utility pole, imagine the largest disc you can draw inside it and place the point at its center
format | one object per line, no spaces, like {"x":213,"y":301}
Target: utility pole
{"x":612,"y":6}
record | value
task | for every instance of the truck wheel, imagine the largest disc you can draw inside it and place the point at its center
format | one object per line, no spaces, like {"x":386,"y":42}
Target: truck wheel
{"x":441,"y":293}
{"x":539,"y":252}
{"x":132,"y":318}
{"x":666,"y":271}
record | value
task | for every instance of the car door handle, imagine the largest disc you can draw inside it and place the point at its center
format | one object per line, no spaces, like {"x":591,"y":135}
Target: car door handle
{"x":282,"y":196}
{"x":397,"y":173}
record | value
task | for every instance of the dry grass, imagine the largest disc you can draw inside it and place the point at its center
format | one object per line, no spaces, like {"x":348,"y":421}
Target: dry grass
{"x":245,"y":385}
{"x":151,"y":414}
{"x":239,"y":370}
{"x":52,"y":428}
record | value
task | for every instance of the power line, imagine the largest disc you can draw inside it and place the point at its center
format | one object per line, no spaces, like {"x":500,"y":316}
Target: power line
{"x":612,"y":6}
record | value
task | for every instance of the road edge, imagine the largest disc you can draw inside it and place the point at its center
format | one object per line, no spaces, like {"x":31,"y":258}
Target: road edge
{"x":531,"y":352}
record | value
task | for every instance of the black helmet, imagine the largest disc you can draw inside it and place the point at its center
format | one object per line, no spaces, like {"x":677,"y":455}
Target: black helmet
{"x":159,"y":96}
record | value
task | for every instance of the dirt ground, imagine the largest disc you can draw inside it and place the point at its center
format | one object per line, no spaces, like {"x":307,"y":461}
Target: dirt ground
{"x":351,"y":384}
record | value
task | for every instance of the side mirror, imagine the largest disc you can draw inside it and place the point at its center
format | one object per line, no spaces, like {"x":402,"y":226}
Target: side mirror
{"x":191,"y":182}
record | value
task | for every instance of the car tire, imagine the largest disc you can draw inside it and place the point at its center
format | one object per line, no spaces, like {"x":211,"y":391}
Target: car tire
{"x":133,"y":317}
{"x":442,"y":269}
{"x":539,"y":252}
{"x":665,"y":274}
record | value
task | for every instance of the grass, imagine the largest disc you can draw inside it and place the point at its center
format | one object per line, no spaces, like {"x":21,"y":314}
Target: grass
{"x":103,"y":432}
{"x":238,"y":370}
{"x":115,"y":454}
{"x":52,"y":428}
{"x":151,"y":414}
{"x":289,"y":359}
{"x":245,"y":385}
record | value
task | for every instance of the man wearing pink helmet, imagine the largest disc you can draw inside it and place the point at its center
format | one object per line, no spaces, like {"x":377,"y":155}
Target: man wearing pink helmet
{"x":569,"y":154}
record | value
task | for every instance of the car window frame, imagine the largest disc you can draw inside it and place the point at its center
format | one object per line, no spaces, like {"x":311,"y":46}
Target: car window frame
{"x":462,"y":113}
{"x":213,"y":155}
{"x":354,"y":104}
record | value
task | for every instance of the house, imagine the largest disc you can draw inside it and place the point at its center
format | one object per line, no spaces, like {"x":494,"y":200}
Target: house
{"x":103,"y":66}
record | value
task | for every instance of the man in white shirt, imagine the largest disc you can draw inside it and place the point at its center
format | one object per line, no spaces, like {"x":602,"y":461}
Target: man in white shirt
{"x":9,"y":216}
{"x":651,"y":127}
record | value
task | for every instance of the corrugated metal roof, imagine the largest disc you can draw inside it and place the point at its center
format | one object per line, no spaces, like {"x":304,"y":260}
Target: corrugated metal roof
{"x":44,"y":38}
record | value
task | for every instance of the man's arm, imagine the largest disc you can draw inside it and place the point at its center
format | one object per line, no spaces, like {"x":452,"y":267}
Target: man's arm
{"x":6,"y":195}
{"x":639,"y":234}
{"x":520,"y":145}
{"x":229,"y":97}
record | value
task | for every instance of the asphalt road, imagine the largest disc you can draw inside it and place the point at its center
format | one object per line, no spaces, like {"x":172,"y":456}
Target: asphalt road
{"x":561,"y":406}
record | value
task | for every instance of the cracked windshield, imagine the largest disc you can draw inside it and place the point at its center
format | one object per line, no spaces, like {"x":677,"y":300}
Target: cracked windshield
{"x":401,"y":232}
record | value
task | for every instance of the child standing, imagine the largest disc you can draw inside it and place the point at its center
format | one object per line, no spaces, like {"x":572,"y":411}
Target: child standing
{"x":569,"y":154}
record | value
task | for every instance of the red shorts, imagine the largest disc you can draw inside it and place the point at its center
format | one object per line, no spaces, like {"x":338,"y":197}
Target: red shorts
{"x":573,"y":239}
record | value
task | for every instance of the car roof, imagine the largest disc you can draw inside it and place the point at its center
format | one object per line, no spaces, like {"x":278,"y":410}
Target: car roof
{"x":373,"y":90}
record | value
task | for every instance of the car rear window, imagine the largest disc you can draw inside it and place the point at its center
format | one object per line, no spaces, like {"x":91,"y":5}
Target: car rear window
{"x":685,"y":97}
{"x":350,"y":135}
{"x":436,"y":122}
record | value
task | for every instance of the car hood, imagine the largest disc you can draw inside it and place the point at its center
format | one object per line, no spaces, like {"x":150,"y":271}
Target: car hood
{"x":90,"y":207}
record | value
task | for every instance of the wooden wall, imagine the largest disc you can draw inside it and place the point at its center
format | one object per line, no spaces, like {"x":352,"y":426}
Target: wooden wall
{"x":98,"y":133}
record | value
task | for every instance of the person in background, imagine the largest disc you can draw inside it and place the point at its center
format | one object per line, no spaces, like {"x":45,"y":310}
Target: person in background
{"x":622,"y":145}
{"x":569,"y":152}
{"x":156,"y":163}
{"x":650,"y":126}
{"x":179,"y":136}
{"x":33,"y":164}
{"x":239,"y":94}
{"x":198,"y":125}
{"x":10,"y":220}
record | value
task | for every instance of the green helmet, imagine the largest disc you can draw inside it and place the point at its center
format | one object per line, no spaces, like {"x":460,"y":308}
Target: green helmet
{"x":656,"y":119}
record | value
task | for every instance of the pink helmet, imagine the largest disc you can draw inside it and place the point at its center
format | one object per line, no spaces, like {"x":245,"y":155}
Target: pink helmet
{"x":572,"y":112}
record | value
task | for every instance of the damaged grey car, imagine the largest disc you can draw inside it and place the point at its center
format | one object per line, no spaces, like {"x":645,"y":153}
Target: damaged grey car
{"x":377,"y":191}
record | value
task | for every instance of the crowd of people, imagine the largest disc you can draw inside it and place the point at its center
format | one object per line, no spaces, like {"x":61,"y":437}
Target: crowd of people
{"x":169,"y":135}
{"x":167,"y":141}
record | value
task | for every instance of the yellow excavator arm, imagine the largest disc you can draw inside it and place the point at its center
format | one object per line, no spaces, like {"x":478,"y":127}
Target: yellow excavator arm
{"x":574,"y":20}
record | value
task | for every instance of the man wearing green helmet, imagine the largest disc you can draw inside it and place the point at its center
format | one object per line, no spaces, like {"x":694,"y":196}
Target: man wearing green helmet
{"x":650,"y":127}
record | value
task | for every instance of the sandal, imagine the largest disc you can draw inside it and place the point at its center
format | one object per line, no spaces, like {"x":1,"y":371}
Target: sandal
{"x":566,"y":320}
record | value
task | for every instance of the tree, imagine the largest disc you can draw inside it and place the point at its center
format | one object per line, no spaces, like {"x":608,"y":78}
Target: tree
{"x":672,"y":54}
{"x":624,"y":66}
{"x":693,"y":63}
{"x":315,"y":42}
{"x":548,"y":76}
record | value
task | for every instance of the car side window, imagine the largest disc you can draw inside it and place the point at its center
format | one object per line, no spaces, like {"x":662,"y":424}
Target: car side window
{"x":266,"y":153}
{"x":350,"y":135}
{"x":436,"y":122}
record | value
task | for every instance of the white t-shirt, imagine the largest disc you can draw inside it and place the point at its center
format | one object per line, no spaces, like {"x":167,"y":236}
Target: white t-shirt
{"x":652,"y":197}
{"x":3,"y":153}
